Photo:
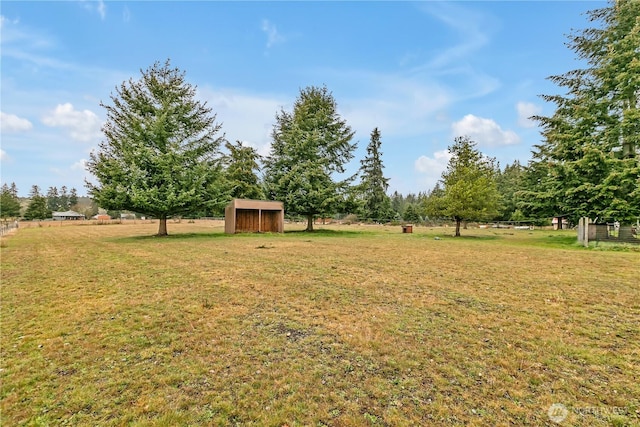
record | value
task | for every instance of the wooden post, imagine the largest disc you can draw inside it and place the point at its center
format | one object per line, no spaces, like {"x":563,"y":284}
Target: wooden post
{"x":583,"y":231}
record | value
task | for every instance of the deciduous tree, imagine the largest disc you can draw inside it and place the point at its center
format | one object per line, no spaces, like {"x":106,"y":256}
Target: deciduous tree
{"x":469,"y":185}
{"x":160,"y":153}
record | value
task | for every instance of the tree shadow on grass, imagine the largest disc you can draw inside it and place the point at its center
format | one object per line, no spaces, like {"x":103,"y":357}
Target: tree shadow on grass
{"x":463,"y":236}
{"x":328,"y":232}
{"x":172,"y":237}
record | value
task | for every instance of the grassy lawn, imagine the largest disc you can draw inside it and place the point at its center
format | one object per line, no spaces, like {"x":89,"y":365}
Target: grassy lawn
{"x":349,"y":326}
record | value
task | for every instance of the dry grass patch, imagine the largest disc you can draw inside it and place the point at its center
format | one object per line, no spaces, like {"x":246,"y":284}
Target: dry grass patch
{"x":349,"y":326}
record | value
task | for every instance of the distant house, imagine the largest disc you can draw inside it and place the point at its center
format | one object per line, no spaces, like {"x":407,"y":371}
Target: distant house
{"x":67,"y":216}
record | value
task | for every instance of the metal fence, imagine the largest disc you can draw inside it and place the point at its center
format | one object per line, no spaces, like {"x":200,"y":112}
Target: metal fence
{"x":613,"y":232}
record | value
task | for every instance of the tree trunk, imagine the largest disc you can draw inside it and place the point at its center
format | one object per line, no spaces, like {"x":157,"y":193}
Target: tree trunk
{"x":162,"y":228}
{"x":458,"y":222}
{"x":309,"y":223}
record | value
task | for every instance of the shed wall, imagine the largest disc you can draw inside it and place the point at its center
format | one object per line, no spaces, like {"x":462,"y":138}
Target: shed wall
{"x":270,"y":222}
{"x":247,"y":220}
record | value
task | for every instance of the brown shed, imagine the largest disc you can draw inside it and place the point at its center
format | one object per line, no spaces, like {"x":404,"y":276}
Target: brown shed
{"x":253,"y":216}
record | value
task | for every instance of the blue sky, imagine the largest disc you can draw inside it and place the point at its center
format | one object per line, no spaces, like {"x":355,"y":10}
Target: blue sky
{"x":422,"y":72}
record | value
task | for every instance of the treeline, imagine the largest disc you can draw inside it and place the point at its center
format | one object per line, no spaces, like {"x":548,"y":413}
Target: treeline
{"x":368,"y":199}
{"x":163,"y":154}
{"x":509,"y":181}
{"x":41,"y":206}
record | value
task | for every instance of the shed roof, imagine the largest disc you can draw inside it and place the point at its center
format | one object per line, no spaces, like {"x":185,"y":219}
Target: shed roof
{"x":67,"y":214}
{"x":256,"y":204}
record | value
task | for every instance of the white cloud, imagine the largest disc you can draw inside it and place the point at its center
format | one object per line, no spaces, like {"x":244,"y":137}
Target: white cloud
{"x":3,"y":155}
{"x":16,"y":34}
{"x":453,"y":62}
{"x":273,"y":36}
{"x":126,"y":14}
{"x":82,"y":125}
{"x":431,"y":168}
{"x":469,"y":24}
{"x":484,"y":131}
{"x":433,"y":165}
{"x":4,"y":21}
{"x":102,"y":9}
{"x":400,"y":105}
{"x":13,"y":123}
{"x":526,"y":110}
{"x":79,"y":165}
{"x":98,"y":6}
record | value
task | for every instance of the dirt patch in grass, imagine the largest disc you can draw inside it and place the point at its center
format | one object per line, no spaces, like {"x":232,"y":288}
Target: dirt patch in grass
{"x":106,"y":326}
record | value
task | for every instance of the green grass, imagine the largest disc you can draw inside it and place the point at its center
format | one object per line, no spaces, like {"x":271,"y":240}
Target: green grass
{"x":346,"y":326}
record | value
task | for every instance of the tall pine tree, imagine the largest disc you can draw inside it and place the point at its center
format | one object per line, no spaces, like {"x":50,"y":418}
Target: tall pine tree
{"x":9,"y":202}
{"x":242,"y":166}
{"x":53,"y":199}
{"x":37,"y":208}
{"x":588,"y":164}
{"x":376,"y":204}
{"x":160,"y":156}
{"x":311,"y":146}
{"x":73,"y":198}
{"x":509,"y":182}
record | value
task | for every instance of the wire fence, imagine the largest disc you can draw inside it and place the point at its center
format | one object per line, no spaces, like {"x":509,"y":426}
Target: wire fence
{"x":613,"y":232}
{"x":7,"y":227}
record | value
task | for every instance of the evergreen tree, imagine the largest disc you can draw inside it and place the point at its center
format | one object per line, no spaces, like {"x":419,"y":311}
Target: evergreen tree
{"x":73,"y":198}
{"x":411,"y":213}
{"x":241,"y":172}
{"x":9,"y":203}
{"x":373,"y":186}
{"x":64,"y":199}
{"x":160,"y":156}
{"x":589,"y":164}
{"x":538,"y":187}
{"x":53,"y":199}
{"x":310,"y":146}
{"x":14,"y":189}
{"x":432,"y":204}
{"x":509,"y":183}
{"x":397,"y":204}
{"x":37,"y":208}
{"x":470,"y":191}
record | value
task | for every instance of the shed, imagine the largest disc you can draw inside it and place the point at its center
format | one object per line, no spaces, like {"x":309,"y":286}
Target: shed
{"x":253,"y":216}
{"x":68,"y":215}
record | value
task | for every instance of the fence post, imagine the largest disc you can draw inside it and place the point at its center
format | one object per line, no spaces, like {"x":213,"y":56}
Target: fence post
{"x":583,"y":231}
